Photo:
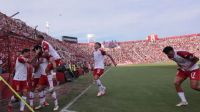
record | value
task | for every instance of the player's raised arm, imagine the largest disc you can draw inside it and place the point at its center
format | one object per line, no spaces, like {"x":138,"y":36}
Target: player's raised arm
{"x":106,"y":54}
{"x":25,"y":53}
{"x":38,"y":51}
{"x":22,"y":60}
{"x":113,"y":61}
{"x":45,"y":48}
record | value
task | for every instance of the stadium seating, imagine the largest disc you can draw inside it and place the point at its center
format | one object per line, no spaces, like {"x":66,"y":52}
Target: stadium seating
{"x":16,"y":35}
{"x":130,"y":52}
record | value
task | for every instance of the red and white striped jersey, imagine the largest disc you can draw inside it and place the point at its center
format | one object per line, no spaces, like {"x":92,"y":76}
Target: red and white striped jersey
{"x":47,"y":47}
{"x":21,"y":69}
{"x":99,"y":59}
{"x":41,"y":69}
{"x":182,"y":59}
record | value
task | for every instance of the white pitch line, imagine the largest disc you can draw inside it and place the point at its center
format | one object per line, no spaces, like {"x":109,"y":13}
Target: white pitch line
{"x":65,"y":109}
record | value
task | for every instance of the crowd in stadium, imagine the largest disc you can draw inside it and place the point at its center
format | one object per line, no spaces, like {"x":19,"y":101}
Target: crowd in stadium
{"x":130,"y":52}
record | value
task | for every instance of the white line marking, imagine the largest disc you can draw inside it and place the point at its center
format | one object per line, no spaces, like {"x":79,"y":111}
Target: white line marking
{"x":65,"y":109}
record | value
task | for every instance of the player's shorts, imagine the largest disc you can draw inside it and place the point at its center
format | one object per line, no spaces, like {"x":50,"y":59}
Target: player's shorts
{"x":50,"y":65}
{"x":194,"y":75}
{"x":98,"y":72}
{"x":20,"y":86}
{"x":43,"y":81}
{"x":34,"y":83}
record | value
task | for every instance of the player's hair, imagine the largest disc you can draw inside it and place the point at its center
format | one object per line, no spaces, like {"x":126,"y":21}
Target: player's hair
{"x":36,"y":47}
{"x":98,"y":43}
{"x":167,"y":49}
{"x":25,"y":50}
{"x":40,"y":36}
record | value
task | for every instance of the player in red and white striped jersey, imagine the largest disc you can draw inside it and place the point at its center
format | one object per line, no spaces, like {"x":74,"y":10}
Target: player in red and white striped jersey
{"x":54,"y":61}
{"x":20,"y":80}
{"x":99,"y":67}
{"x":51,"y":54}
{"x":188,"y":67}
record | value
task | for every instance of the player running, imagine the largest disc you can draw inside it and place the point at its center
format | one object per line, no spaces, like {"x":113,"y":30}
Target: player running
{"x":188,"y":67}
{"x":54,"y":61}
{"x":99,"y":67}
{"x":20,"y":83}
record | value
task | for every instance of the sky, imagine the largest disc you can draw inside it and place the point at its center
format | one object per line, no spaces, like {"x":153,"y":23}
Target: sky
{"x":120,"y":20}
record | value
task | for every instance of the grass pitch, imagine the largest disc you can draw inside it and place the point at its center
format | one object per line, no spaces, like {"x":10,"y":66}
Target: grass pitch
{"x":142,"y":88}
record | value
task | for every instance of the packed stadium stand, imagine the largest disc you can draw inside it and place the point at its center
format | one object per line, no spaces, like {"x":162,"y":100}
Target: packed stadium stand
{"x":16,"y":35}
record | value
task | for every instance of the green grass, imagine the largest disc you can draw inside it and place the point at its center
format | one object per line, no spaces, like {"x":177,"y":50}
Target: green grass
{"x":140,"y":88}
{"x":67,"y":92}
{"x":132,"y":88}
